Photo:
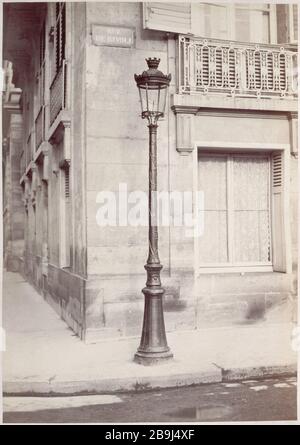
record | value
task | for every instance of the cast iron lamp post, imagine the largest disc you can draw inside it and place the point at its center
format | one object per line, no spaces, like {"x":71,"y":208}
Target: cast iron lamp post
{"x":153,"y":86}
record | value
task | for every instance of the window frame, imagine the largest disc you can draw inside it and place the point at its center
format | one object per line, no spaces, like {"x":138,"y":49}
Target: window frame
{"x":281,"y":241}
{"x":231,"y":14}
{"x":190,"y":19}
{"x":232,"y":265}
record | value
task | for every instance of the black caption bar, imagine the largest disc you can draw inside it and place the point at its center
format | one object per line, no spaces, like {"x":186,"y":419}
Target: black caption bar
{"x":140,"y":434}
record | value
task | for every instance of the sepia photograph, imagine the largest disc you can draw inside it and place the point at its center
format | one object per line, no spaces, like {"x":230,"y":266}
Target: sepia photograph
{"x":150,"y":214}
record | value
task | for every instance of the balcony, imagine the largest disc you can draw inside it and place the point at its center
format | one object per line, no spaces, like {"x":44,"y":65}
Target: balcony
{"x":58,"y":92}
{"x":236,"y":69}
{"x":29,"y":151}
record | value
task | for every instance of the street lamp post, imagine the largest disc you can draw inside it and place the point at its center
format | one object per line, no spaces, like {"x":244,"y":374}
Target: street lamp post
{"x":153,"y":86}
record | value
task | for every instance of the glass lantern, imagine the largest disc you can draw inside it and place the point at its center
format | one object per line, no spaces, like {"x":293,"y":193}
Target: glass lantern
{"x":153,"y":86}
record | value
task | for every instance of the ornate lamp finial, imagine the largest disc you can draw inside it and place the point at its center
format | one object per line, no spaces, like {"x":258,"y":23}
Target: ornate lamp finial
{"x":152,"y":62}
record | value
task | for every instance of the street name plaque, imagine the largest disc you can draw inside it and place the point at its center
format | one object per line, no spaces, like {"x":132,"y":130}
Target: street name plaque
{"x":112,"y":36}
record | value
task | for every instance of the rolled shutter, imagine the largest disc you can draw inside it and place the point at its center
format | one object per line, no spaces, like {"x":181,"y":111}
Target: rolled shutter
{"x":172,"y":17}
{"x":278,"y":214}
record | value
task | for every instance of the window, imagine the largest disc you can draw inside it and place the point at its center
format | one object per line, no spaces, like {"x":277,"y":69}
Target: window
{"x":245,"y":22}
{"x":212,"y":20}
{"x":252,"y":23}
{"x":293,"y":23}
{"x":237,"y":210}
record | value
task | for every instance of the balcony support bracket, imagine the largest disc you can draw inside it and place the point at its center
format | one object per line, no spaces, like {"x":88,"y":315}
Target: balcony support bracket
{"x":184,"y":129}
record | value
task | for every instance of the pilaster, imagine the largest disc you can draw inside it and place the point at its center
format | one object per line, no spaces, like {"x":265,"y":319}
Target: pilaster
{"x":293,"y":119}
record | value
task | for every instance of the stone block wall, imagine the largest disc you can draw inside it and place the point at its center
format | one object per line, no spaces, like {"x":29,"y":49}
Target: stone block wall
{"x":14,"y":208}
{"x":117,"y":153}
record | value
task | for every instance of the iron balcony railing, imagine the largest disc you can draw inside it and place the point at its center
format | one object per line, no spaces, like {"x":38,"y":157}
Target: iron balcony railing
{"x":29,"y":151}
{"x":233,"y":68}
{"x":58,"y":92}
{"x":40,"y":127}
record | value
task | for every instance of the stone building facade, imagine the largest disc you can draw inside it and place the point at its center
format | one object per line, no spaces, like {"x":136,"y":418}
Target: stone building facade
{"x":72,"y":129}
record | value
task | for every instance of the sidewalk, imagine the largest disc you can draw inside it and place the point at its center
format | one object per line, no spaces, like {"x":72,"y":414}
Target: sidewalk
{"x":44,"y":356}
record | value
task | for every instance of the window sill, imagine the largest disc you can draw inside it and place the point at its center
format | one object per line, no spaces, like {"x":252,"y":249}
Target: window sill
{"x":234,"y":269}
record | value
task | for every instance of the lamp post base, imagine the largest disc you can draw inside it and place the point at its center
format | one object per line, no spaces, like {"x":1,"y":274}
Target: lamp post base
{"x":153,"y":347}
{"x":151,"y":358}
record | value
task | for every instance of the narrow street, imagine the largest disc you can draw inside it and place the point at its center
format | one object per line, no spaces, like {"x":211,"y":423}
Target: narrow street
{"x":250,"y":400}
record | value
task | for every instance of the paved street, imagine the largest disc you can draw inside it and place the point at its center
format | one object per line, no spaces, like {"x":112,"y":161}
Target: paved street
{"x":250,"y":400}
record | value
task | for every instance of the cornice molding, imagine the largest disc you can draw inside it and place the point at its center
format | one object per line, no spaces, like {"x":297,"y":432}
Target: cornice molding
{"x":192,"y":102}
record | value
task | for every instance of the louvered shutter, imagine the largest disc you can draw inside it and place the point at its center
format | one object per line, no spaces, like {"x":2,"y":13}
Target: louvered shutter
{"x":172,"y":17}
{"x":60,"y":34}
{"x":67,"y":183}
{"x":42,"y":65}
{"x":42,"y":45}
{"x":278,"y":214}
{"x":65,"y":212}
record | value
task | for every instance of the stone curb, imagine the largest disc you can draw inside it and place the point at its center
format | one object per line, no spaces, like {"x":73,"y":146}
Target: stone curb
{"x":229,"y":375}
{"x":136,"y":384}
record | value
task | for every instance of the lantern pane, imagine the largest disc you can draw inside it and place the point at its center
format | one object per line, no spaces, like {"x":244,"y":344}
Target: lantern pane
{"x":162,"y":95}
{"x":143,"y":99}
{"x":152,"y":100}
